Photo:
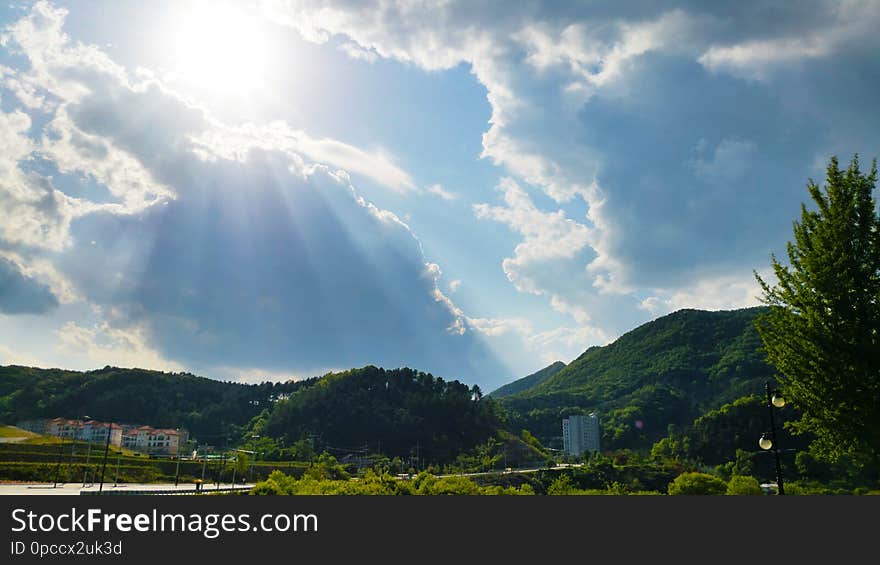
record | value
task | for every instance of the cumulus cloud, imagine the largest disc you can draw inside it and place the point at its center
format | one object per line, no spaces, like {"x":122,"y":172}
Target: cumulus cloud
{"x":655,"y":153}
{"x":35,"y":213}
{"x":548,"y":236}
{"x":605,"y":103}
{"x":225,"y":245}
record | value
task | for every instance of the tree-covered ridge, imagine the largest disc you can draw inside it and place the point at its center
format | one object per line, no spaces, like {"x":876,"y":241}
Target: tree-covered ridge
{"x":528,"y":381}
{"x":668,"y":371}
{"x":400,"y":412}
{"x":213,"y":411}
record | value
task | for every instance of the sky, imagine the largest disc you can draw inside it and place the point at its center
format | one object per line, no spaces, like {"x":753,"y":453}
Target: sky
{"x":276,"y":189}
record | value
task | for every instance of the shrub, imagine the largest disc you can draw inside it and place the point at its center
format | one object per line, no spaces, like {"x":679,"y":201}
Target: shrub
{"x":742,"y":485}
{"x":697,"y":483}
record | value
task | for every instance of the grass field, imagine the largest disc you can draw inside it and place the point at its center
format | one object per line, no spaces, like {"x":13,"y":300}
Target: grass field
{"x":12,"y":432}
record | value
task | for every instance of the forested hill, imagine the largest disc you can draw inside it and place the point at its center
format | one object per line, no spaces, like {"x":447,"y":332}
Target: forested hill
{"x":398,"y":412}
{"x":668,"y":371}
{"x":529,"y":381}
{"x":215,"y":412}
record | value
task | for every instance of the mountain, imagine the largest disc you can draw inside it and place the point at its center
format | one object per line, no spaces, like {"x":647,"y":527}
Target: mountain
{"x":666,"y":372}
{"x":529,"y":381}
{"x":214,"y":412}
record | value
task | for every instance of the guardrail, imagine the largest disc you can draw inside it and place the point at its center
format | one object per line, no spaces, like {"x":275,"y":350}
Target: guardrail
{"x":164,"y":492}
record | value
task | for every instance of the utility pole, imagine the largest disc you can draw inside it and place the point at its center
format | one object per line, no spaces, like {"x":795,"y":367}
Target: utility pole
{"x":254,"y":460}
{"x":118,"y":457}
{"x":106,"y":449}
{"x":86,"y":468}
{"x":58,"y":466}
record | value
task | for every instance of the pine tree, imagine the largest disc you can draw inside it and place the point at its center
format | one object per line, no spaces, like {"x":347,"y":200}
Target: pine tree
{"x":822,"y":332}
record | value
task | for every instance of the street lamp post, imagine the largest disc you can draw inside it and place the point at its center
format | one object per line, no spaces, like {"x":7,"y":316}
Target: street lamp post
{"x":106,"y":450}
{"x":774,"y":400}
{"x":60,"y":456}
{"x":118,"y":458}
{"x":177,"y":465}
{"x":254,"y":437}
{"x":88,"y":454}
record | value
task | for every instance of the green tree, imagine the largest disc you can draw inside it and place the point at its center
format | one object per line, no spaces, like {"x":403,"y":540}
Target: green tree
{"x":743,"y":485}
{"x":697,"y":483}
{"x":822,"y":332}
{"x":562,"y":485}
{"x":326,"y":467}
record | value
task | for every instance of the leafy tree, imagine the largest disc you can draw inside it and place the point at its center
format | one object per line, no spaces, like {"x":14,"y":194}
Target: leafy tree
{"x":561,"y":486}
{"x":326,"y":467}
{"x":822,"y":332}
{"x":743,"y":485}
{"x":697,"y":483}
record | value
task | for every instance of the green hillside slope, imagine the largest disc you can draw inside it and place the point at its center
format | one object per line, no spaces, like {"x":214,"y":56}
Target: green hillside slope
{"x":668,"y":371}
{"x":529,"y":381}
{"x":213,"y":411}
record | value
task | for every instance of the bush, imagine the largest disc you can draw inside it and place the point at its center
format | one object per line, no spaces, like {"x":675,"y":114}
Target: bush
{"x":697,"y":483}
{"x":742,"y":485}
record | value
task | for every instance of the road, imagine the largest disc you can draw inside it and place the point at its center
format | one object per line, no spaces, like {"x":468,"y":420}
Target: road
{"x":514,"y":471}
{"x":46,"y":489}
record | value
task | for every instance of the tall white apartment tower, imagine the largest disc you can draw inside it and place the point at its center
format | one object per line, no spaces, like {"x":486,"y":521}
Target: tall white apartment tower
{"x":580,"y":433}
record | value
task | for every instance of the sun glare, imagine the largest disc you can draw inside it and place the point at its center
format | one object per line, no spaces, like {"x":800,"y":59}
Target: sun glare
{"x":220,"y":48}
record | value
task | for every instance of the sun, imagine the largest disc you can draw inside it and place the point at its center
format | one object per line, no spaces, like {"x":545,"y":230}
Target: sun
{"x":220,"y":48}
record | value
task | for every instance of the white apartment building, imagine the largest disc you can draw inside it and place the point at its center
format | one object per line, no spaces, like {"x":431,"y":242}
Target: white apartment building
{"x":146,"y":439}
{"x":155,"y":441}
{"x":580,"y":433}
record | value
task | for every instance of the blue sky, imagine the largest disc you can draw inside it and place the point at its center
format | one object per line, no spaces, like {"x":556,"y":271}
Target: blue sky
{"x":266,"y":190}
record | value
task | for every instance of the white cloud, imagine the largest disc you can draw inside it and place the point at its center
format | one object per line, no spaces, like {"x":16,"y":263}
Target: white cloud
{"x":42,"y":270}
{"x":35,"y":213}
{"x":454,"y":285}
{"x":103,"y":344}
{"x":354,"y":51}
{"x":713,"y":292}
{"x":597,"y":55}
{"x":57,"y":66}
{"x":25,"y":92}
{"x":754,"y":59}
{"x":494,"y":327}
{"x":72,"y":150}
{"x":761,"y":58}
{"x":441,"y":192}
{"x":233,"y":142}
{"x":176,"y":149}
{"x":566,"y":343}
{"x":547,"y":236}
